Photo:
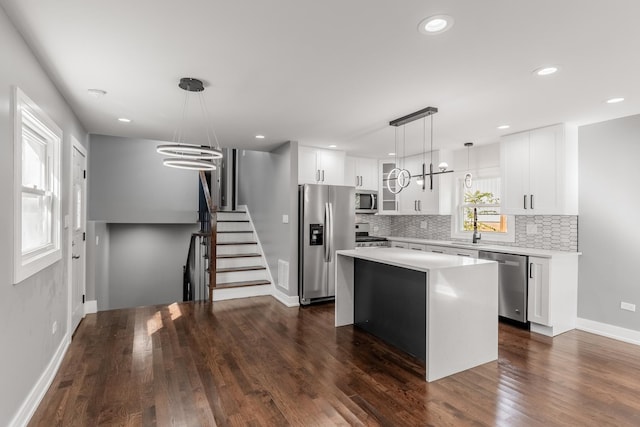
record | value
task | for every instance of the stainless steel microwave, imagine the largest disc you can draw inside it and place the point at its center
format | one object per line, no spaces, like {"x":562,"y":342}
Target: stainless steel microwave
{"x":366,"y":201}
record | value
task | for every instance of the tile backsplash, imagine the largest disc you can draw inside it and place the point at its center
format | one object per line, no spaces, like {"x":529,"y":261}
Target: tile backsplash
{"x":554,"y":232}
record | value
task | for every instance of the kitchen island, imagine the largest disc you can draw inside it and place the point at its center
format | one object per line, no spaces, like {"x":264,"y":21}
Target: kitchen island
{"x":440,"y":308}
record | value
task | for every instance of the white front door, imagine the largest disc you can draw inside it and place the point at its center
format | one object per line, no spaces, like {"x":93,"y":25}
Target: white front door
{"x":78,"y":244}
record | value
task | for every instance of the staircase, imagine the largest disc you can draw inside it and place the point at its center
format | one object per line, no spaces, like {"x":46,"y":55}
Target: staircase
{"x":240,"y":265}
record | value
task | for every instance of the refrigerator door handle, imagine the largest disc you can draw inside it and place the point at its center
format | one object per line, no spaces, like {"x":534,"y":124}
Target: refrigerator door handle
{"x":330,"y":240}
{"x":327,"y":235}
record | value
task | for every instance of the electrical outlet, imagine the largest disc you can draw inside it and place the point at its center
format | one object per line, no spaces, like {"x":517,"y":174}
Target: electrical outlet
{"x":627,"y":306}
{"x":532,"y":228}
{"x":423,"y":225}
{"x":54,"y":327}
{"x":376,"y":228}
{"x":285,"y":219}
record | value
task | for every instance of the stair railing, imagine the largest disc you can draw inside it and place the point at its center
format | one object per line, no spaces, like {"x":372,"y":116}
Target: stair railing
{"x":199,"y":272}
{"x":212,"y":234}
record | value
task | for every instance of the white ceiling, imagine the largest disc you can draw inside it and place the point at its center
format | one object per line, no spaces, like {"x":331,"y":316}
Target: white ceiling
{"x":337,"y":71}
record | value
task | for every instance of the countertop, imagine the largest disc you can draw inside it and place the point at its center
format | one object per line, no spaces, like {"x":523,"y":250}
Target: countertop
{"x":413,"y":260}
{"x":542,"y":253}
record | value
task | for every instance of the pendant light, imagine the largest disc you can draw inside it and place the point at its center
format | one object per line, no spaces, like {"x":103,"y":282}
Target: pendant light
{"x":468,"y":177}
{"x":401,"y":178}
{"x":191,"y":156}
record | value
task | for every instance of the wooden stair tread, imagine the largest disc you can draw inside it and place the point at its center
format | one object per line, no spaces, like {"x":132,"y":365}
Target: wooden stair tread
{"x":240,"y":284}
{"x":238,"y":255}
{"x":246,"y":268}
{"x":236,"y":243}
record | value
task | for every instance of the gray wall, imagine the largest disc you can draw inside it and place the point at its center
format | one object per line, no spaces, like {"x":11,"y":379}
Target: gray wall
{"x":98,"y":263}
{"x":609,"y":221}
{"x":145,"y":264}
{"x":28,"y":308}
{"x":268,"y":185}
{"x":129,"y":184}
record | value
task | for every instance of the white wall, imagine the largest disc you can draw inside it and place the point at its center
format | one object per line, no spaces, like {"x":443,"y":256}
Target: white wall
{"x":268,"y":185}
{"x":609,"y":223}
{"x":129,"y":184}
{"x":28,"y":308}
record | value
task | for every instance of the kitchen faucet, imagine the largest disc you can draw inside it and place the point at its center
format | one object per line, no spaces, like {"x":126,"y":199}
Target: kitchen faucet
{"x":476,"y":236}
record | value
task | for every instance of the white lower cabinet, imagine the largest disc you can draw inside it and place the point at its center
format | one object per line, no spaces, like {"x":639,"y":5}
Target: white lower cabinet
{"x":553,"y":294}
{"x":417,"y":247}
{"x":538,"y":289}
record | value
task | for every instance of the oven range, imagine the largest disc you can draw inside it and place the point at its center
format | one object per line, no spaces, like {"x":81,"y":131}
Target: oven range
{"x":363,"y":240}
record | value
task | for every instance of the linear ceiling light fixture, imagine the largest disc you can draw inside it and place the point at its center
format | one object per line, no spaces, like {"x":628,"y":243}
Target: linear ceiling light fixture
{"x":400,"y":178}
{"x":191,"y":156}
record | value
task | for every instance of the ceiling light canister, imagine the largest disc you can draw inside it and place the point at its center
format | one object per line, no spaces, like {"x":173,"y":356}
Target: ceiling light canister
{"x":614,"y":100}
{"x":96,"y":93}
{"x":124,"y":120}
{"x":546,"y":71}
{"x":436,"y":24}
{"x":503,"y":127}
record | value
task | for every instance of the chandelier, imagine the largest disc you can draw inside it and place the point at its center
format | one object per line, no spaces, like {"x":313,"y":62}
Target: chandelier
{"x":191,"y":156}
{"x":400,"y":178}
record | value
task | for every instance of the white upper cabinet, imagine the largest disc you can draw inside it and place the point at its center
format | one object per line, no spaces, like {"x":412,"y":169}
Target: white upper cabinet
{"x":361,"y":173}
{"x":540,"y":172}
{"x":318,"y":166}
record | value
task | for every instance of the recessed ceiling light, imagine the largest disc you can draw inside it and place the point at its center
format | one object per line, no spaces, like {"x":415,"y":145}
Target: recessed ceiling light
{"x":435,"y":24}
{"x":501,"y":127}
{"x":96,"y":93}
{"x":124,"y":120}
{"x":614,"y":100}
{"x":259,"y":136}
{"x":546,"y":71}
{"x":392,"y":154}
{"x":332,"y":146}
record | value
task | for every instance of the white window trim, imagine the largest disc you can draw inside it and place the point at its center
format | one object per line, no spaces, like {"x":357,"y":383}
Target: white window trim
{"x":456,"y":222}
{"x":26,"y":265}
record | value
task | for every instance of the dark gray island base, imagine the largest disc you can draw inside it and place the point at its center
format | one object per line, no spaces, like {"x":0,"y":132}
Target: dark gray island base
{"x":391,"y":303}
{"x":440,"y":308}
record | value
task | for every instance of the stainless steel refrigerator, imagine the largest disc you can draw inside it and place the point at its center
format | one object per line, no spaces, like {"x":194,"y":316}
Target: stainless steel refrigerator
{"x":327,"y":221}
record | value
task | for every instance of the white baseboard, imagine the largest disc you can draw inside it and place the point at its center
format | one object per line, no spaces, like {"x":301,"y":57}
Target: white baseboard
{"x":610,"y":331}
{"x":30,"y":404}
{"x":285,"y":299}
{"x":91,"y":307}
{"x":241,"y":292}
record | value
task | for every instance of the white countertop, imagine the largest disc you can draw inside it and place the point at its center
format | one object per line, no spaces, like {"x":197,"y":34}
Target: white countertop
{"x":542,"y":253}
{"x":413,"y":260}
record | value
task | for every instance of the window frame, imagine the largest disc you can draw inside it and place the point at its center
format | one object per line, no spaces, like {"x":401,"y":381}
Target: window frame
{"x":458,"y":207}
{"x":27,"y":113}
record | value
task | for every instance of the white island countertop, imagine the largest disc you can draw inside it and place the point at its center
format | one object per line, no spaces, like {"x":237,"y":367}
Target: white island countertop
{"x":461,"y":301}
{"x":413,"y":260}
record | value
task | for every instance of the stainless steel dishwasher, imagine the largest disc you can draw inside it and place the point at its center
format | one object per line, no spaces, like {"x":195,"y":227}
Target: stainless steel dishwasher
{"x":512,"y":284}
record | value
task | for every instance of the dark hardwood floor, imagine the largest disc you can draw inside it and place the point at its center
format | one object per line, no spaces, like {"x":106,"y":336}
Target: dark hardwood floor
{"x":255,"y":362}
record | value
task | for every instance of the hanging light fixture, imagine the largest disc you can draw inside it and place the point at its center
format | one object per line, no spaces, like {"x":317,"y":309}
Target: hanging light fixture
{"x":402,"y":177}
{"x":468,"y":177}
{"x":191,"y":156}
